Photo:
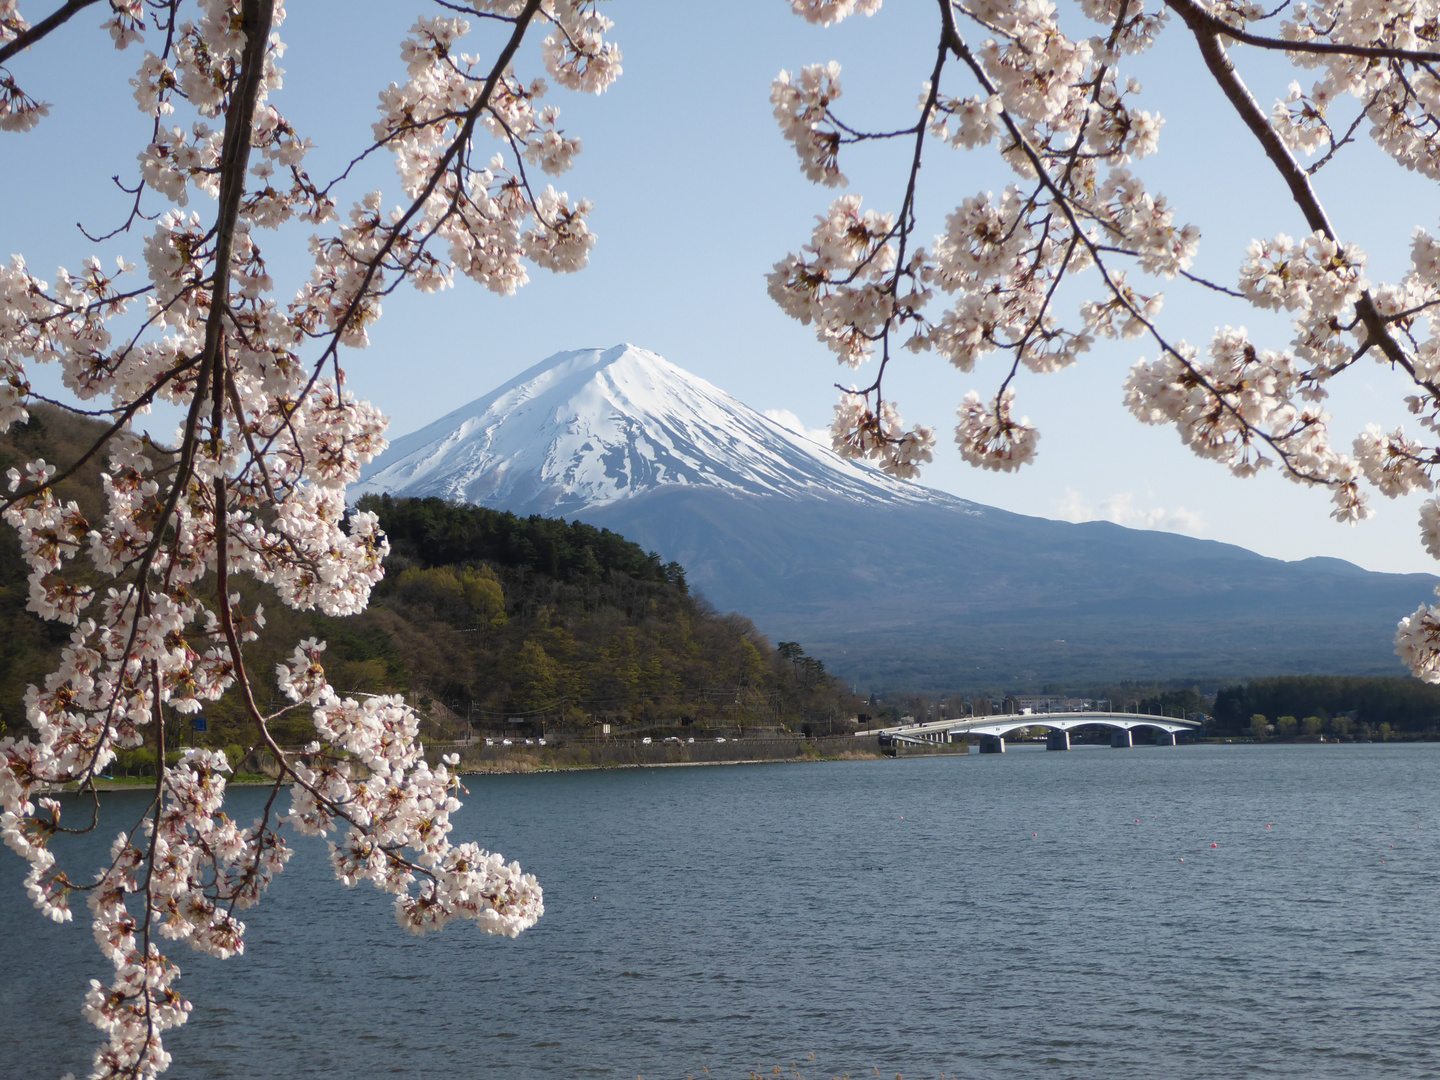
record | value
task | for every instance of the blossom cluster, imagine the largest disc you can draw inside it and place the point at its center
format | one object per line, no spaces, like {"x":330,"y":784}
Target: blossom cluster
{"x":802,"y":109}
{"x":860,"y":432}
{"x":1400,"y":95}
{"x":1059,"y":115}
{"x":368,"y":775}
{"x":253,"y":485}
{"x":1058,"y":110}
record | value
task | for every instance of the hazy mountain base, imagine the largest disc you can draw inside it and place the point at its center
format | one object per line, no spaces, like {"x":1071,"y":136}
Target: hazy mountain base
{"x":934,"y":598}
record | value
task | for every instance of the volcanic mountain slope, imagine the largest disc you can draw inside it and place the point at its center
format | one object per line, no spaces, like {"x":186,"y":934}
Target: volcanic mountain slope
{"x":893,"y":584}
{"x":592,"y":427}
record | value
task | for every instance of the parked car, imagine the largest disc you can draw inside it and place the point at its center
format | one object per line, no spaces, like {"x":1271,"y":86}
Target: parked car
{"x":645,"y":741}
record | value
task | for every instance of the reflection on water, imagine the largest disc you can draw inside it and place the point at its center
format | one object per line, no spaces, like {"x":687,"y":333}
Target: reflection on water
{"x":1018,"y":916}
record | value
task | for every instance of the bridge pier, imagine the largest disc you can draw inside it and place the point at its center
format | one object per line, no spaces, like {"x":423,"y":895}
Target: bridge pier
{"x":1057,"y":739}
{"x":1121,"y":738}
{"x":992,"y":744}
{"x":1164,"y":738}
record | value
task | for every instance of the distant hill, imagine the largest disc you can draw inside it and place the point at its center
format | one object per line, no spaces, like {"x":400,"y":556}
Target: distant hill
{"x":894,"y":585}
{"x":482,"y":616}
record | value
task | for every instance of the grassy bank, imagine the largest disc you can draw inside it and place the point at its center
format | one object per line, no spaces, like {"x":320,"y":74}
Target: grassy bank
{"x":615,"y":754}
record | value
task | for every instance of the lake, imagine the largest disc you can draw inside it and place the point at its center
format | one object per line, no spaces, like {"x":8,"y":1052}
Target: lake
{"x":996,"y":917}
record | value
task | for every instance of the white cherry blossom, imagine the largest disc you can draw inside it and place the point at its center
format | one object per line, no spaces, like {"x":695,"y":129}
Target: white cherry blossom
{"x":253,"y":483}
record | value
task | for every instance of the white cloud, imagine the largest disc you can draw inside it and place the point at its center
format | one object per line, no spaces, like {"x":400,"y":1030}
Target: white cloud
{"x":790,"y":422}
{"x":1121,"y":509}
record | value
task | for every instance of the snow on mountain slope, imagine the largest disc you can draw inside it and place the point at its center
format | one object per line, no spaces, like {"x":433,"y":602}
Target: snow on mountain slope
{"x":591,"y":427}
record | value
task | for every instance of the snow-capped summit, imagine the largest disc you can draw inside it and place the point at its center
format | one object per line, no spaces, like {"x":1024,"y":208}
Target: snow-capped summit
{"x":592,"y":427}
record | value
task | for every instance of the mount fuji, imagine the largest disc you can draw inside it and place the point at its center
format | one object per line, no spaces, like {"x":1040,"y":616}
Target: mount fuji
{"x":589,"y":428}
{"x":893,"y":584}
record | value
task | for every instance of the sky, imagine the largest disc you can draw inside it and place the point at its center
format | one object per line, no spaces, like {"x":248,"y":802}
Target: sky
{"x":696,"y":197}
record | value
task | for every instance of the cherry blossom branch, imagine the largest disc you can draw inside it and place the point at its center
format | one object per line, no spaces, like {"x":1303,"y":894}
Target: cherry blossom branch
{"x":126,"y":416}
{"x":254,"y":485}
{"x":57,"y":18}
{"x":460,"y":142}
{"x":1345,"y":140}
{"x":1219,"y":28}
{"x":1222,"y":69}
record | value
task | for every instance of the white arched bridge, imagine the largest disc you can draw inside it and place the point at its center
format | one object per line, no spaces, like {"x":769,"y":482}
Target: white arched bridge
{"x":993,"y":729}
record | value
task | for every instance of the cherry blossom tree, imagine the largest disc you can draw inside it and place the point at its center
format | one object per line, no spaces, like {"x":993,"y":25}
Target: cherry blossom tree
{"x":1058,"y":109}
{"x":253,"y":485}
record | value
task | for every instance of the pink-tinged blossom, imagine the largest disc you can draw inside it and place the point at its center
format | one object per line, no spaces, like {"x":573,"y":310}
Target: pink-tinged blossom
{"x":576,"y":53}
{"x":838,"y":280}
{"x":153,"y":84}
{"x":1430,"y":527}
{"x":966,"y":122}
{"x":989,"y":436}
{"x":829,"y":12}
{"x":802,"y":109}
{"x":1417,"y":643}
{"x":560,"y":239}
{"x":18,"y":110}
{"x":1394,"y":464}
{"x":859,"y":432}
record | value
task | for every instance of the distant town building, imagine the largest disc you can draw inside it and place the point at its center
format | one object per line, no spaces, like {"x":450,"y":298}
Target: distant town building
{"x":1049,"y":704}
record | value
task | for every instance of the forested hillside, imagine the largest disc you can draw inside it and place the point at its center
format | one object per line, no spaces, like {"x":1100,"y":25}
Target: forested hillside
{"x":1362,"y":704}
{"x":483,"y":617}
{"x":501,"y":617}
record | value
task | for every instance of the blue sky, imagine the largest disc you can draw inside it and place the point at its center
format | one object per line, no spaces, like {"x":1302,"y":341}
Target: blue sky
{"x":697,"y":196}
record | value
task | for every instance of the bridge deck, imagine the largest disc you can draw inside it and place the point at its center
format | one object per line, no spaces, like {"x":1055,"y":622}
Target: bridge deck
{"x":1063,"y":721}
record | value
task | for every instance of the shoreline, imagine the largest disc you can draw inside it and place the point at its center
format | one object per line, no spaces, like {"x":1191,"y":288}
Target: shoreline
{"x":514,"y":767}
{"x":519,"y":765}
{"x":523,"y":763}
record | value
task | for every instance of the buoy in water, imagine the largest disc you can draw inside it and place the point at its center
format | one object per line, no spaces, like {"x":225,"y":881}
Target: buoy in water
{"x":1214,"y":845}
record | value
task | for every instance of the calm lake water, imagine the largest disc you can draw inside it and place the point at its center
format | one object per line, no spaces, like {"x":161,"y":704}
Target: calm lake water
{"x":1018,"y":916}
